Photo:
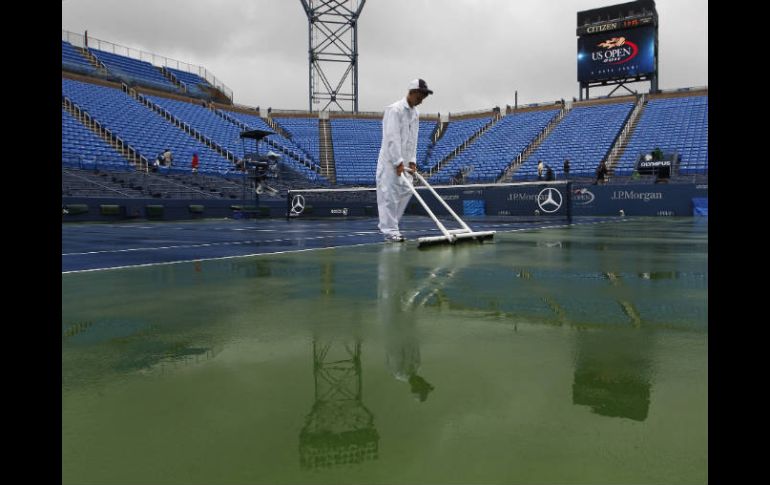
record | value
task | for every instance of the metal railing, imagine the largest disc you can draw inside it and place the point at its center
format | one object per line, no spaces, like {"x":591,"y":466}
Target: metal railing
{"x":620,"y":145}
{"x":79,"y":40}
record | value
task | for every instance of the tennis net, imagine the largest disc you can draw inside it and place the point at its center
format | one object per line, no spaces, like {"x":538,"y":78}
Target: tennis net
{"x":523,"y":200}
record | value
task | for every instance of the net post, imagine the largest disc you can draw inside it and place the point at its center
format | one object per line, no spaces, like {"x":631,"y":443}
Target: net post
{"x":288,"y":205}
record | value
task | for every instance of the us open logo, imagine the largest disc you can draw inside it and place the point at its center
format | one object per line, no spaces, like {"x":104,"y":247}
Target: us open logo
{"x":583,"y":196}
{"x":617,"y":50}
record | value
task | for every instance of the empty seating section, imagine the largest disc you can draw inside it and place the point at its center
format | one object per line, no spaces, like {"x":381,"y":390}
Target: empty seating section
{"x":205,"y":121}
{"x":487,"y":158}
{"x":423,"y":142}
{"x":140,"y":127}
{"x":82,"y":148}
{"x":295,"y":159}
{"x":455,"y":134}
{"x":74,"y":60}
{"x":585,"y":135}
{"x":679,"y":124}
{"x":304,"y":132}
{"x":356,"y":148}
{"x":135,"y":70}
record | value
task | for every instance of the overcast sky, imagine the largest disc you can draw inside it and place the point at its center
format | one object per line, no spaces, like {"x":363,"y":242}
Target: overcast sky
{"x":473,"y":53}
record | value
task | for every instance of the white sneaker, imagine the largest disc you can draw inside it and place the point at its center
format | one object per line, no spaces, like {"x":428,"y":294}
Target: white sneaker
{"x":394,"y":238}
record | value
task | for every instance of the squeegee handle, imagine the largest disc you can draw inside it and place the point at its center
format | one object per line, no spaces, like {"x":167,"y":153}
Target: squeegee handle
{"x":443,"y":229}
{"x":443,"y":202}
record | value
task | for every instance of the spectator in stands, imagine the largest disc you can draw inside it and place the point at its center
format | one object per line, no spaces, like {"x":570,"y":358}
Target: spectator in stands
{"x":601,"y":172}
{"x":549,"y":173}
{"x":400,"y":124}
{"x":157,"y":162}
{"x":168,"y":157}
{"x":540,"y":170}
{"x":195,"y":162}
{"x":566,"y":168}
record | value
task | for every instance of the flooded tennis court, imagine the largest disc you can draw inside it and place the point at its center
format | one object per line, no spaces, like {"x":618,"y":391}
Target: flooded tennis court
{"x":565,"y":355}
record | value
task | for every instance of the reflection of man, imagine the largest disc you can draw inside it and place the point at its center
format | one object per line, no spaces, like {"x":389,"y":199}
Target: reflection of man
{"x":401,"y":341}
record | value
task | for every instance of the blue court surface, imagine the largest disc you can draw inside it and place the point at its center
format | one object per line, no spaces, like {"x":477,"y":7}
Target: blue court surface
{"x":98,"y":246}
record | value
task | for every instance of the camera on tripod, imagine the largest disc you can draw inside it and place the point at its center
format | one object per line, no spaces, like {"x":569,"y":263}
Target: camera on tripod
{"x":260,"y":168}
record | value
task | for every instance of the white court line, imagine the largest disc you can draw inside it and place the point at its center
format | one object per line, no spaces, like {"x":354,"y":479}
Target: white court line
{"x":203,"y":245}
{"x":213,"y":259}
{"x":145,"y":265}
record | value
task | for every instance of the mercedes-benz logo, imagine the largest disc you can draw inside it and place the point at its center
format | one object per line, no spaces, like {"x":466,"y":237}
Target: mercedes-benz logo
{"x":297,"y":204}
{"x":549,"y":200}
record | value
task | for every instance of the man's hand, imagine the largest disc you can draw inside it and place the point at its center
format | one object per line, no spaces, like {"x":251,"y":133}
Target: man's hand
{"x":400,"y":168}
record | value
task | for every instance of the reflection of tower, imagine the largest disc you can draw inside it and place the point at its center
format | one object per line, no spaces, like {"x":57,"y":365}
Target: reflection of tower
{"x":339,"y":429}
{"x":612,"y":372}
{"x":613,"y":366}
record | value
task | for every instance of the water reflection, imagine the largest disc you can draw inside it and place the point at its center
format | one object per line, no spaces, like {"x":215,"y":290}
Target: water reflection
{"x":339,"y":429}
{"x":397,"y":294}
{"x":612,"y":372}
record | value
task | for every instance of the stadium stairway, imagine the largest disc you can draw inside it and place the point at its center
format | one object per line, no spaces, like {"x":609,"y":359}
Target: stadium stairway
{"x":173,"y":79}
{"x":619,"y":147}
{"x":585,"y":136}
{"x":530,"y":149}
{"x":298,"y":160}
{"x":99,"y":65}
{"x":124,"y":149}
{"x":674,"y":122}
{"x":276,"y":126}
{"x":486,"y":159}
{"x":184,"y":126}
{"x":457,"y":151}
{"x":302,"y":132}
{"x":326,"y":146}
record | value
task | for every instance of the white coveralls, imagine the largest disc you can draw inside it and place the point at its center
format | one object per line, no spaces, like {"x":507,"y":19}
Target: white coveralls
{"x":400,"y":124}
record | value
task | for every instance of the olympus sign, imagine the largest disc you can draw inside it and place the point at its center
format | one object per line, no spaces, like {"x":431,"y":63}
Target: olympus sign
{"x":660,"y":163}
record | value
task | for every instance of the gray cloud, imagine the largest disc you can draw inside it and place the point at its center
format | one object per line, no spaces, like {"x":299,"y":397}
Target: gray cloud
{"x":474,"y":53}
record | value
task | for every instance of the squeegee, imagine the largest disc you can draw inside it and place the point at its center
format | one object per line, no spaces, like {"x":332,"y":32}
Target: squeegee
{"x":450,"y":236}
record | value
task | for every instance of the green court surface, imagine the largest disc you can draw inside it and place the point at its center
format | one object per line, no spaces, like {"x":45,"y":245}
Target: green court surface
{"x":569,"y":355}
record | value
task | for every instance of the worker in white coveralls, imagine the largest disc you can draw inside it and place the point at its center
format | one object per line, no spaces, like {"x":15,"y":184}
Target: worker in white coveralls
{"x":400,"y":124}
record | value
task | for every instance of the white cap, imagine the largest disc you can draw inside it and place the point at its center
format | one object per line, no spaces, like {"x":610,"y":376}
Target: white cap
{"x":420,"y":85}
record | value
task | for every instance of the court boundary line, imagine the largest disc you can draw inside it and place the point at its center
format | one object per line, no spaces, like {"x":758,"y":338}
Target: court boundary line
{"x":145,"y":265}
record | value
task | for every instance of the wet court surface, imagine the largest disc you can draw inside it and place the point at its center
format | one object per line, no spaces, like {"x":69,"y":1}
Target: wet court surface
{"x":567,"y":355}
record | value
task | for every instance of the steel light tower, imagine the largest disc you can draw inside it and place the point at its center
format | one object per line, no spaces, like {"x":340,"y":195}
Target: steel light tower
{"x":333,"y":52}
